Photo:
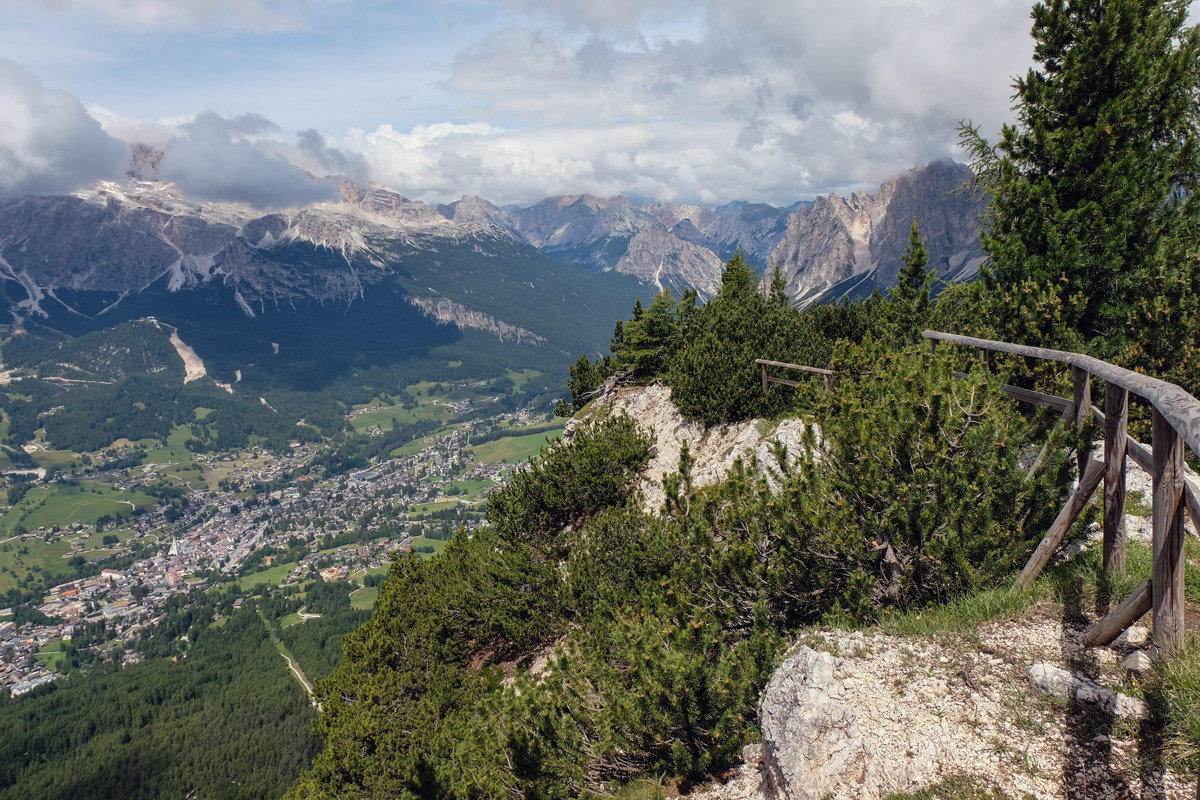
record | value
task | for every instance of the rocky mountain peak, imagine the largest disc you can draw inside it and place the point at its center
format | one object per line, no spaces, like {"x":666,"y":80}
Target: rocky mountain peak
{"x":474,"y":210}
{"x":389,"y":205}
{"x":853,"y":244}
{"x":144,"y":161}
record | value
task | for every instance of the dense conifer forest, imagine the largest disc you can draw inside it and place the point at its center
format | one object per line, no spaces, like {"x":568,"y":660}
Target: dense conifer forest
{"x":221,"y":719}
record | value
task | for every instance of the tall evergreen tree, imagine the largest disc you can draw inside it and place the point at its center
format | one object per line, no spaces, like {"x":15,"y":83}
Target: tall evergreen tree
{"x":714,"y":378}
{"x":649,"y":338}
{"x":910,"y":296}
{"x":1094,"y":186}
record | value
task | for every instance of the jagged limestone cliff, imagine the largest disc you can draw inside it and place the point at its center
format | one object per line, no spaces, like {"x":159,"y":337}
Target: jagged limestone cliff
{"x":838,"y":240}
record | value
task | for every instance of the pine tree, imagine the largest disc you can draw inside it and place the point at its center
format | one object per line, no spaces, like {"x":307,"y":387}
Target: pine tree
{"x":714,"y":378}
{"x":1094,"y":188}
{"x":649,"y":338}
{"x":910,"y":296}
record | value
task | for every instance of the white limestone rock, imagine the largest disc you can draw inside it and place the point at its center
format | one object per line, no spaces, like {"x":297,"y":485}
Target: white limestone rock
{"x":1067,"y":685}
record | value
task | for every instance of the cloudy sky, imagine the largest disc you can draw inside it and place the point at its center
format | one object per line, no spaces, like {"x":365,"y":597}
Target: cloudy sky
{"x":706,"y":101}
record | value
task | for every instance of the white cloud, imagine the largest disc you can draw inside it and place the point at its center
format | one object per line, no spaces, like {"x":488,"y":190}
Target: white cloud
{"x":133,"y":130}
{"x":314,"y":154}
{"x":216,"y":161}
{"x":48,"y":142}
{"x":799,"y":98}
{"x":516,"y":99}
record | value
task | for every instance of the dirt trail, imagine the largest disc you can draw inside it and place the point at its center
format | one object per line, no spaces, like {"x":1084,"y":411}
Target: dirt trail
{"x":298,"y":673}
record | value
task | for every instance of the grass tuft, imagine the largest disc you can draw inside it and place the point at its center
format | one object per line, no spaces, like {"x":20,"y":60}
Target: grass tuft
{"x":1179,"y":678}
{"x":955,"y":787}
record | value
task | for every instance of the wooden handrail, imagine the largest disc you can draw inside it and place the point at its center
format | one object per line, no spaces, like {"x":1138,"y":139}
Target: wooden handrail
{"x":764,"y":362}
{"x":768,"y":378}
{"x":1176,"y":419}
{"x":1180,"y":408}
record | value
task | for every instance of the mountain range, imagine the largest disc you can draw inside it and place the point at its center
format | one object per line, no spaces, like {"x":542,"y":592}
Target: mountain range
{"x":118,"y":252}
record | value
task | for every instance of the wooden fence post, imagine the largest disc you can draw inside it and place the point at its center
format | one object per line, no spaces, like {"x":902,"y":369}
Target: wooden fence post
{"x":1082,"y":384}
{"x":1116,"y":417}
{"x":1167,"y":577}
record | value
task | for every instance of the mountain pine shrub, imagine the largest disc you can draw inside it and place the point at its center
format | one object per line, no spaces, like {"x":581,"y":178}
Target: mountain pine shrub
{"x":915,"y":492}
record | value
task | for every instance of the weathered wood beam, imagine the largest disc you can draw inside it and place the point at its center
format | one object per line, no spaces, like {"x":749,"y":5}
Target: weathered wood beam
{"x":827,"y":374}
{"x":1119,"y":619}
{"x":1029,"y":395}
{"x":1167,"y":589}
{"x":1180,"y":408}
{"x":1062,"y":523}
{"x":1116,"y":440}
{"x":1082,"y":386}
{"x":1082,"y":406}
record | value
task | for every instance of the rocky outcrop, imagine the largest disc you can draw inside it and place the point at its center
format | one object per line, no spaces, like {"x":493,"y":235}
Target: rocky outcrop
{"x":754,"y":228}
{"x":713,"y":450}
{"x":829,"y":241}
{"x":390,"y":205}
{"x":1066,"y":685}
{"x":838,"y":239}
{"x":474,"y":210}
{"x":591,"y":230}
{"x":862,"y":715}
{"x":662,"y":244}
{"x":447,"y":311}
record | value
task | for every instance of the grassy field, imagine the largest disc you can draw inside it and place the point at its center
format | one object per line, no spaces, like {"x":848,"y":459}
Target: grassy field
{"x":472,"y":488}
{"x":178,"y":463}
{"x":383,"y":410}
{"x":437,"y":544}
{"x":439,"y":505}
{"x":19,"y":558}
{"x":418,"y":445}
{"x":513,"y":449}
{"x":273,"y":576}
{"x":61,"y":505}
{"x":431,"y":403}
{"x":51,"y":459}
{"x":364,"y":598}
{"x":215,"y":471}
{"x":521,"y":378}
{"x":52,"y":654}
{"x":95,"y":539}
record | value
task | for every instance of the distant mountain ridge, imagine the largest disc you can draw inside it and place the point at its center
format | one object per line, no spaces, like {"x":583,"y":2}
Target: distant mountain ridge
{"x":841,"y":247}
{"x":88,"y":256}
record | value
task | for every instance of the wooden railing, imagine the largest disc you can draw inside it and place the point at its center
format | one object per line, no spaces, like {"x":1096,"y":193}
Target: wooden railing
{"x":1176,"y":421}
{"x":768,"y":378}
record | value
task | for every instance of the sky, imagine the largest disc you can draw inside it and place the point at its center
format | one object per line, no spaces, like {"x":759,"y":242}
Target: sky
{"x":705,"y":102}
